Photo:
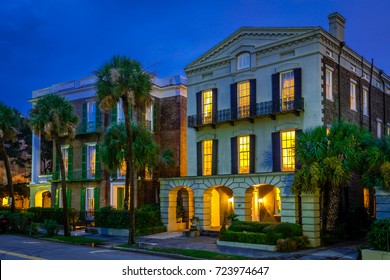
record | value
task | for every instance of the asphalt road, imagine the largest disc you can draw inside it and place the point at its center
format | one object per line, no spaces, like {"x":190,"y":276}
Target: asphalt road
{"x":13,"y":247}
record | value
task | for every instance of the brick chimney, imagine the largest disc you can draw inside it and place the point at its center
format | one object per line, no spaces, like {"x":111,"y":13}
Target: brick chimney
{"x":336,"y":26}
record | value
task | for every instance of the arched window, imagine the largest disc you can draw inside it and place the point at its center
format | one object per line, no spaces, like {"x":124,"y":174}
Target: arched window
{"x":243,"y":61}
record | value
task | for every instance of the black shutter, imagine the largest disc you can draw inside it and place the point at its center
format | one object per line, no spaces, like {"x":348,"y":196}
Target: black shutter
{"x":276,"y":92}
{"x":214,"y":170}
{"x":252,"y":167}
{"x":252,"y":88}
{"x":276,"y":157}
{"x":233,"y":101}
{"x":297,"y":163}
{"x":199,"y":158}
{"x":199,"y":108}
{"x":215,"y":105}
{"x":234,"y":155}
{"x":297,"y":87}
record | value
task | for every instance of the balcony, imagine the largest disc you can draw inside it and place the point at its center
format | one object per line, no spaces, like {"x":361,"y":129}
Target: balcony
{"x":88,"y":127}
{"x":261,"y":110}
{"x":79,"y":175}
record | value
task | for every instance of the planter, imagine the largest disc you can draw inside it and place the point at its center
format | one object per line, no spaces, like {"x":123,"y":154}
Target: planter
{"x":368,"y":254}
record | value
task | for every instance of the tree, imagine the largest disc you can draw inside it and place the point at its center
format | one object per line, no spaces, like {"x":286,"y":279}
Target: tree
{"x":54,"y":116}
{"x":123,"y":79}
{"x":329,"y":160}
{"x":9,"y":126}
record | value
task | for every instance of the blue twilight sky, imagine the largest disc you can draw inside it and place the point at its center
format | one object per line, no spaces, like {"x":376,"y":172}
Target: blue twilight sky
{"x":44,"y":42}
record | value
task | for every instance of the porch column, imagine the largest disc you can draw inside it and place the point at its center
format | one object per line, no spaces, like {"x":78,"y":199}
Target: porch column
{"x":382,"y":204}
{"x":204,"y":218}
{"x":311,"y":224}
{"x":289,"y":212}
{"x":164,"y":203}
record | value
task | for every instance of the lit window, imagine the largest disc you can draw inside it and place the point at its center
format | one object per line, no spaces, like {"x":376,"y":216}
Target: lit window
{"x":366,"y":198}
{"x":379,"y":128}
{"x":91,"y":161}
{"x":352,"y":98}
{"x":65,"y":157}
{"x":287,"y":90}
{"x":91,"y":116}
{"x":207,"y":106}
{"x":365,"y":102}
{"x":328,"y":84}
{"x":122,"y":169}
{"x":243,"y":61}
{"x":278,"y":205}
{"x":243,"y":99}
{"x":288,"y":150}
{"x":388,"y":129}
{"x":244,"y":154}
{"x":89,"y":200}
{"x":148,"y":173}
{"x":207,"y":157}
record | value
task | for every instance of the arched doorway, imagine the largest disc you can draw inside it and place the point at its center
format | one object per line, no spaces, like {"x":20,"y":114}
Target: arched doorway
{"x":265,"y":203}
{"x":43,"y":199}
{"x":181,"y":208}
{"x":218,"y":204}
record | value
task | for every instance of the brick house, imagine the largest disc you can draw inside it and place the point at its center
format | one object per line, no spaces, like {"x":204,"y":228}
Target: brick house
{"x":90,"y":185}
{"x":248,"y":97}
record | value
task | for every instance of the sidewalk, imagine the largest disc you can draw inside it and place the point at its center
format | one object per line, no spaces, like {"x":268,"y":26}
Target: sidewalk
{"x":341,"y":251}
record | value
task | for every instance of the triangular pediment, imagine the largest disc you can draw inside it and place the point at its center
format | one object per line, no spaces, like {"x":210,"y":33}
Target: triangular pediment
{"x":247,"y":39}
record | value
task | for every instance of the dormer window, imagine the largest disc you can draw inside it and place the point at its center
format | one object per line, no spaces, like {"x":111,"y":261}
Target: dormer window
{"x":243,"y":61}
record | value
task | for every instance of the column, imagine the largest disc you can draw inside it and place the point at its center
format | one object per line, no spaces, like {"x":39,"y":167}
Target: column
{"x":36,"y":158}
{"x":311,"y":224}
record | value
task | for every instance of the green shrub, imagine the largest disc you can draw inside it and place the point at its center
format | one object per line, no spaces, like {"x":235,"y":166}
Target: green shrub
{"x":151,"y":230}
{"x":244,"y":237}
{"x":291,"y":244}
{"x":57,"y":214}
{"x":239,"y":226}
{"x":284,"y":229}
{"x":20,"y":222}
{"x":51,"y":227}
{"x":379,"y":235}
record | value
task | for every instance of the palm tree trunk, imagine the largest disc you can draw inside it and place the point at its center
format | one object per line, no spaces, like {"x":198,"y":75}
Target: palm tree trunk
{"x":9,"y":175}
{"x":130,"y":170}
{"x":333,"y":207}
{"x":63,"y":187}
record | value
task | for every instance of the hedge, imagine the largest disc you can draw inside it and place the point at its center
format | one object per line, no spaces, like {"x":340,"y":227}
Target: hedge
{"x":239,"y":226}
{"x":56,"y":214}
{"x":379,"y":235}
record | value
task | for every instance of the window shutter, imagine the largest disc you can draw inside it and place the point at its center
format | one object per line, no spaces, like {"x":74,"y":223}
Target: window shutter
{"x":114,"y":114}
{"x":82,"y":200}
{"x":97,"y":118}
{"x":276,"y":157}
{"x":120,"y":198}
{"x":96,"y":198}
{"x":276,"y":93}
{"x":69,"y":197}
{"x":214,"y":170}
{"x":199,"y":107}
{"x":57,"y":173}
{"x":155,"y":119}
{"x":252,"y":167}
{"x":297,"y":163}
{"x":234,"y":155}
{"x":70,"y":163}
{"x":199,"y":159}
{"x":57,"y":199}
{"x":98,"y":163}
{"x":84,"y":118}
{"x":84,"y":162}
{"x":252,"y":86}
{"x":215,"y":105}
{"x":297,"y":86}
{"x":233,"y":101}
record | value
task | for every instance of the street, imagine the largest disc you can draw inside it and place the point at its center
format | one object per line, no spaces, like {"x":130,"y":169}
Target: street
{"x":14,"y":247}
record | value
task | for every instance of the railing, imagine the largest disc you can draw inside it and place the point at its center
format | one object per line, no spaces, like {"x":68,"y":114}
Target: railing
{"x":89,"y":127}
{"x":262,"y":109}
{"x":79,"y":175}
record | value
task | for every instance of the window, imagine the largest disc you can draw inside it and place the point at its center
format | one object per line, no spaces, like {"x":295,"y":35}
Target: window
{"x":352,"y":97}
{"x":207,"y":157}
{"x":65,"y":157}
{"x":287,"y":90}
{"x":388,"y":129}
{"x":207,"y":106}
{"x":89,"y":200}
{"x":243,"y":61}
{"x":148,"y":173}
{"x":243,"y":99}
{"x":365,"y":101}
{"x":329,"y":84}
{"x":122,"y":170}
{"x":366,"y":198}
{"x":244,"y":154}
{"x":91,"y":116}
{"x":288,"y":150}
{"x":379,"y":128}
{"x":119,"y":108}
{"x":91,"y":161}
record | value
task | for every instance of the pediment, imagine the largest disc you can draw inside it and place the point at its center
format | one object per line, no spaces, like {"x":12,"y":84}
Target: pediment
{"x":248,"y":39}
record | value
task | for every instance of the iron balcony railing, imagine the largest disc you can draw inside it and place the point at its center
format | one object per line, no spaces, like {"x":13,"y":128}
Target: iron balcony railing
{"x":79,"y":175}
{"x":88,"y":127}
{"x":262,"y":109}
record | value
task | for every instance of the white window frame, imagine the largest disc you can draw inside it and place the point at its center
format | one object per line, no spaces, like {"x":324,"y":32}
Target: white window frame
{"x":243,"y":61}
{"x":91,"y":116}
{"x":65,"y":158}
{"x":365,"y":101}
{"x":329,"y":83}
{"x":352,"y":95}
{"x":379,"y":128}
{"x":90,"y":174}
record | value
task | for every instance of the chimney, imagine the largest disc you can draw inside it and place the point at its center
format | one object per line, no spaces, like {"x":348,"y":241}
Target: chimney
{"x":336,"y":26}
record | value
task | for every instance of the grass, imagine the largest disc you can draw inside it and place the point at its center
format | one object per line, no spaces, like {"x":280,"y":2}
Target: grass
{"x":195,"y":253}
{"x":76,"y":239}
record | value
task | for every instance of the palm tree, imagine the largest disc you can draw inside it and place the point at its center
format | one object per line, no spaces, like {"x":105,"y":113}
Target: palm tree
{"x":54,"y":116}
{"x":329,"y":160}
{"x":122,"y":79}
{"x":9,"y":125}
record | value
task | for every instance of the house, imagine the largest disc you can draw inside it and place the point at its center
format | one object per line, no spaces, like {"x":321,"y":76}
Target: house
{"x":248,"y":98}
{"x":90,"y":185}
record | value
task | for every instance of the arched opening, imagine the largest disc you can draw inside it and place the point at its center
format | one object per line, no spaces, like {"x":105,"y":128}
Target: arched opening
{"x":180,"y":208}
{"x":265,"y":203}
{"x":218,"y":204}
{"x":43,"y":199}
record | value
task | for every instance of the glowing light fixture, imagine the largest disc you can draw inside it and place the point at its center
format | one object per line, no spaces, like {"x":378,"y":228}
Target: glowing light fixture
{"x":260,"y":200}
{"x":230,"y":199}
